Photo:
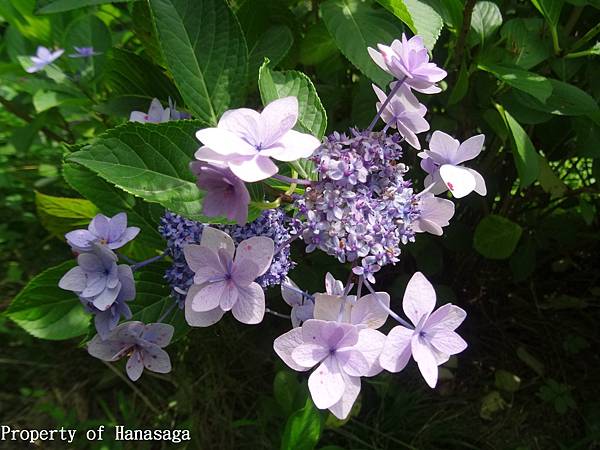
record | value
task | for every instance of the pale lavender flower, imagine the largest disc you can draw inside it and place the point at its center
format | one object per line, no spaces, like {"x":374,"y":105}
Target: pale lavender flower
{"x":177,"y":115}
{"x":403,"y":112}
{"x":96,"y":279}
{"x":225,"y":194}
{"x":107,"y":320}
{"x":84,"y":52}
{"x":434,"y":214}
{"x":367,"y":310}
{"x":442,"y":163}
{"x":408,"y":60}
{"x":342,"y":352}
{"x":142,"y":343}
{"x":246,"y":140}
{"x":223,"y":282}
{"x":112,"y":232}
{"x":432,"y":341}
{"x":42,"y":58}
{"x":301,"y":302}
{"x":156,"y":114}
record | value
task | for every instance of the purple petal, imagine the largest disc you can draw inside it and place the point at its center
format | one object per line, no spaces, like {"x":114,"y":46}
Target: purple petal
{"x":425,"y":359}
{"x":217,"y":240}
{"x":100,"y":227}
{"x":155,"y":359}
{"x":369,"y":312}
{"x":326,"y":384}
{"x":277,"y":119}
{"x":158,"y":333}
{"x":397,"y":349}
{"x":284,"y":346}
{"x":229,"y":296}
{"x":250,"y":307}
{"x":208,"y":297}
{"x":253,"y":168}
{"x":80,"y":240}
{"x":204,"y":262}
{"x":342,"y":408}
{"x":258,"y":250}
{"x":352,"y":362}
{"x":447,"y":317}
{"x":224,"y":142}
{"x":370,"y":345}
{"x":200,"y":319}
{"x":309,"y":355}
{"x":244,"y":272}
{"x":293,"y":145}
{"x":419,"y":298}
{"x":447,"y":342}
{"x":135,"y":366}
{"x":106,"y":350}
{"x":74,"y":280}
{"x":116,"y":226}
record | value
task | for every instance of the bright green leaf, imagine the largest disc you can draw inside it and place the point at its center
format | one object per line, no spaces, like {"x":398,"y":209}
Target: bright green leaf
{"x":61,"y":215}
{"x":273,"y":44}
{"x":549,"y":180}
{"x":525,"y":42}
{"x":303,"y":429}
{"x":317,"y":46}
{"x":529,"y":82}
{"x":419,"y":16}
{"x":47,"y":311}
{"x":273,"y":85}
{"x":496,"y":237}
{"x":205,"y":50}
{"x":58,"y":6}
{"x":485,"y":20}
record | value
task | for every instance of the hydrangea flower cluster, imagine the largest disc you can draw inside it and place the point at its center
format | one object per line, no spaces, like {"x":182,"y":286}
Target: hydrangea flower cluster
{"x":362,"y":207}
{"x":180,"y":232}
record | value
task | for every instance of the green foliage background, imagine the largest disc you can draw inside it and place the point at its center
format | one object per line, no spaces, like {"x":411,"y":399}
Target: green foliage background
{"x":523,"y":261}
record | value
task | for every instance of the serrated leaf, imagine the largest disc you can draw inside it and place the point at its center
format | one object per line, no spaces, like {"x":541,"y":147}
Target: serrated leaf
{"x":496,"y":237}
{"x":205,"y":50}
{"x":528,"y":82}
{"x":312,"y":117}
{"x":420,"y":16}
{"x":485,"y":20}
{"x":47,"y":311}
{"x":524,"y":153}
{"x":354,"y":26}
{"x":150,"y":161}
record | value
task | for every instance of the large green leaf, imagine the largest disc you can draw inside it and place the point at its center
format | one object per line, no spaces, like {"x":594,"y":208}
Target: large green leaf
{"x":496,"y":237}
{"x":58,"y":6}
{"x":303,"y":429}
{"x":205,"y":50}
{"x":61,"y":214}
{"x":356,"y":25}
{"x":420,"y":16}
{"x":88,"y":31}
{"x":112,"y":200}
{"x":485,"y":20}
{"x":47,"y":311}
{"x":273,"y":44}
{"x":317,"y":45}
{"x":529,"y":82}
{"x":274,"y":85}
{"x":525,"y":42}
{"x":150,"y":161}
{"x":524,"y":154}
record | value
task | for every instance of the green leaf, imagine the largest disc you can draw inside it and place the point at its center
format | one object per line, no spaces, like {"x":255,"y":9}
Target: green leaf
{"x":549,"y":181}
{"x":550,"y":9}
{"x":111,"y":200}
{"x":496,"y":237}
{"x":58,"y":6}
{"x":205,"y":50}
{"x":45,"y":100}
{"x":88,"y":31}
{"x":47,"y":311}
{"x":522,"y":261}
{"x":273,"y":44}
{"x":285,"y":387}
{"x":524,"y":153}
{"x":153,"y":301}
{"x":303,"y":429}
{"x":528,"y":82}
{"x":486,"y":19}
{"x":273,"y":85}
{"x":61,"y":215}
{"x":19,"y":13}
{"x":507,"y":381}
{"x":149,"y":161}
{"x":419,"y":16}
{"x":525,"y":42}
{"x":460,"y":87}
{"x":317,"y":45}
{"x":354,"y":26}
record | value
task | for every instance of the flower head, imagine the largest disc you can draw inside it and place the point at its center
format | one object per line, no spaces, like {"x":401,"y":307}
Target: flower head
{"x":97,"y":279}
{"x":84,"y":52}
{"x":434,"y":214}
{"x":408,"y":60}
{"x":442,"y":163}
{"x":223,"y":282}
{"x":432,"y":341}
{"x":142,"y":343}
{"x":226,"y":195}
{"x":42,"y":58}
{"x":246,"y":140}
{"x":112,"y":232}
{"x":405,"y":113}
{"x":341,"y":353}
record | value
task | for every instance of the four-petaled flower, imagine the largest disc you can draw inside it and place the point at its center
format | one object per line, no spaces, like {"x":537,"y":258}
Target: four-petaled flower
{"x":97,"y":279}
{"x":343,"y":353}
{"x":112,"y":232}
{"x":42,"y":58}
{"x":157,"y":114}
{"x":142,"y":343}
{"x":84,"y":52}
{"x":403,"y":112}
{"x":223,"y":282}
{"x":442,"y":161}
{"x":226,"y":195}
{"x":434,"y":214}
{"x":432,"y":341}
{"x":409,"y":61}
{"x":246,"y":140}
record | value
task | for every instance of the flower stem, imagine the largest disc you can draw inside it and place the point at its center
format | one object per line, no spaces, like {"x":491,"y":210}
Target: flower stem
{"x":126,"y":258}
{"x":148,"y":261}
{"x":387,"y":100}
{"x":292,"y":180}
{"x":167,"y":312}
{"x":277,"y":314}
{"x":387,"y":308}
{"x":304,"y":294}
